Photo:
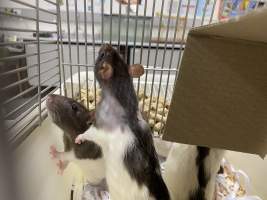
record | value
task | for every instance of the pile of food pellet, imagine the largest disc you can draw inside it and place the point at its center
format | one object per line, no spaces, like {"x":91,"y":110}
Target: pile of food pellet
{"x":92,"y":101}
{"x":232,"y":184}
{"x":154,"y":109}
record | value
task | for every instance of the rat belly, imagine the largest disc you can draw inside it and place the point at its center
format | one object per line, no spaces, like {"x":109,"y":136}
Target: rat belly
{"x":93,"y":170}
{"x":121,"y":184}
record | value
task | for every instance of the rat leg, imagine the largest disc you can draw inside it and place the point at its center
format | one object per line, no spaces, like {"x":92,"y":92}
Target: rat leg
{"x":63,"y":158}
{"x":62,"y":165}
{"x":55,"y":154}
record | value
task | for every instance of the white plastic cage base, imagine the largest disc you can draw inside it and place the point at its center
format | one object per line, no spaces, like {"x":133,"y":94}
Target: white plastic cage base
{"x":74,"y":83}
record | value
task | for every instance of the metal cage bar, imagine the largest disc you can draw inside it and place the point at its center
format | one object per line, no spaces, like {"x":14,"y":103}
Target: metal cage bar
{"x":149,"y":48}
{"x":59,"y":25}
{"x":119,"y":29}
{"x":23,"y":30}
{"x":26,"y":43}
{"x":110,"y":23}
{"x":69,"y":45}
{"x":102,"y":22}
{"x":183,"y":34}
{"x":142,"y":42}
{"x":127,"y":33}
{"x":163,"y":59}
{"x":94,"y":56}
{"x":26,"y":18}
{"x":34,"y":7}
{"x":153,"y":33}
{"x":51,"y":2}
{"x":77,"y":46}
{"x":156,"y":56}
{"x":30,"y":87}
{"x":58,"y":52}
{"x":171,"y":58}
{"x":26,"y":55}
{"x":86,"y":49}
{"x":135,"y":32}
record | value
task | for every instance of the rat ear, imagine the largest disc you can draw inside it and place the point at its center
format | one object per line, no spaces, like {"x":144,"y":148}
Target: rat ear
{"x":106,"y":71}
{"x":136,"y":70}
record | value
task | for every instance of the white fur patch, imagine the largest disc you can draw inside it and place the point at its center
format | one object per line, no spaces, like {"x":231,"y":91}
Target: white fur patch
{"x":93,"y":170}
{"x":180,"y":173}
{"x":121,"y":185}
{"x":114,"y":145}
{"x":110,"y":112}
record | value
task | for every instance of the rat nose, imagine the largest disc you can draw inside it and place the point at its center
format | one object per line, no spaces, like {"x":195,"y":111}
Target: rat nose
{"x":49,"y":99}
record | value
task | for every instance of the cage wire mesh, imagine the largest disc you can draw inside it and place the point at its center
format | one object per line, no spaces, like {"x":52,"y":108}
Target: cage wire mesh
{"x":51,"y":46}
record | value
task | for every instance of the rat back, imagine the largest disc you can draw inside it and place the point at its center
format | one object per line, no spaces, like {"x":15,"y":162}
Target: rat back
{"x":190,"y":171}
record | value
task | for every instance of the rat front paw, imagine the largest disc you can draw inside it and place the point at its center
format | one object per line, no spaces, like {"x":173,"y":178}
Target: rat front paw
{"x":53,"y":152}
{"x":80,"y":139}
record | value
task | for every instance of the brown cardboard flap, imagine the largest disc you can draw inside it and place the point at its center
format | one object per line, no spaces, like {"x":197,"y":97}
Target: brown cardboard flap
{"x":251,"y":27}
{"x":220,"y":99}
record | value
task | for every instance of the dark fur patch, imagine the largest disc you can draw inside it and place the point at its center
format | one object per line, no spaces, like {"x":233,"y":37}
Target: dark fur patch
{"x":87,"y":150}
{"x":197,"y":195}
{"x":203,"y":177}
{"x":221,"y":170}
{"x":142,"y":163}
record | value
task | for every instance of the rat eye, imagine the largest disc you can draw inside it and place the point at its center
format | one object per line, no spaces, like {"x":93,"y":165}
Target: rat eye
{"x":74,"y":107}
{"x":102,"y":55}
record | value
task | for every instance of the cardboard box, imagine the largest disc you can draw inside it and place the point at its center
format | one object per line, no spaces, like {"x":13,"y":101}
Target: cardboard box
{"x":220,"y":99}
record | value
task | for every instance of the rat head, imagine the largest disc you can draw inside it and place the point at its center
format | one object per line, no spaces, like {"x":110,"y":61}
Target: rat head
{"x":110,"y":65}
{"x":71,"y":116}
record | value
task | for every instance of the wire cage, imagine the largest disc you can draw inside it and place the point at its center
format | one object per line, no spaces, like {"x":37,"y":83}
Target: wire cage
{"x":51,"y":46}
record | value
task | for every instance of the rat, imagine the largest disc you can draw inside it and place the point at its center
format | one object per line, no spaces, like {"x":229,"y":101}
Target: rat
{"x":132,"y":165}
{"x":190,"y":171}
{"x":73,"y":119}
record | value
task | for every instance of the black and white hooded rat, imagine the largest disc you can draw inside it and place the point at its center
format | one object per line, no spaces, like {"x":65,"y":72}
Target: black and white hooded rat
{"x":132,"y":166}
{"x":190,"y":171}
{"x":73,"y":119}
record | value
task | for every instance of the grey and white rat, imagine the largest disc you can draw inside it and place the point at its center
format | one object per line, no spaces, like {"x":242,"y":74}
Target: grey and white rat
{"x":73,"y":119}
{"x":132,"y":165}
{"x":190,"y":171}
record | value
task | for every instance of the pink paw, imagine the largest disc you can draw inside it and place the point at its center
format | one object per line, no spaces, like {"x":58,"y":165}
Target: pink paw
{"x":61,"y":164}
{"x":53,"y":152}
{"x":79,"y":139}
